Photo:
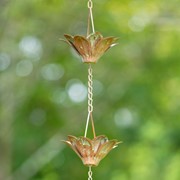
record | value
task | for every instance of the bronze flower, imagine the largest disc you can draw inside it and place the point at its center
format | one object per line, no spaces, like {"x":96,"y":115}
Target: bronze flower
{"x":93,"y":151}
{"x":92,"y":47}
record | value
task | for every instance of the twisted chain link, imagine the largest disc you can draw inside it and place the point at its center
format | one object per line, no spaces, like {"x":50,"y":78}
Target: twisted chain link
{"x":90,"y":98}
{"x":90,"y":173}
{"x":90,"y":90}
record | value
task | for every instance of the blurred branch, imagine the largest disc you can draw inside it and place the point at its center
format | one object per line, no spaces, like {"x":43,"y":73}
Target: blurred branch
{"x":39,"y":159}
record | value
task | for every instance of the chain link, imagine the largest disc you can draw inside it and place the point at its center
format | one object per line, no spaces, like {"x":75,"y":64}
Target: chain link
{"x":90,"y":6}
{"x":90,"y":173}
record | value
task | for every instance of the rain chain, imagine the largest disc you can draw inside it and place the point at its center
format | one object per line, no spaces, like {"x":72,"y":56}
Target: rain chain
{"x":90,"y":48}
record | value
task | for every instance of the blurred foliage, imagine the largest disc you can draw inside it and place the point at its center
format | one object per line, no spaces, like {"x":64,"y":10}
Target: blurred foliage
{"x":43,"y":89}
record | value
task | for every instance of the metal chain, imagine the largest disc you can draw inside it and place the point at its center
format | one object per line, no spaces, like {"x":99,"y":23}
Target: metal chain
{"x":90,"y":97}
{"x":90,"y":6}
{"x":90,"y":89}
{"x":90,"y":173}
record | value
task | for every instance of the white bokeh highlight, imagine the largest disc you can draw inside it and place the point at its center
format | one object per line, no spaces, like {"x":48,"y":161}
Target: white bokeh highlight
{"x":24,"y":68}
{"x":77,"y":91}
{"x":52,"y":72}
{"x":5,"y":61}
{"x":123,"y":118}
{"x":31,"y":47}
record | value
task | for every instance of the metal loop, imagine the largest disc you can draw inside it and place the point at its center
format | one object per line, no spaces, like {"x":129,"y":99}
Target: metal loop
{"x":90,"y":4}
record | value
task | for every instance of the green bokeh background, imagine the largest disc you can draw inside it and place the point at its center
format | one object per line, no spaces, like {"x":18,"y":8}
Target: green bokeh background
{"x":43,"y":89}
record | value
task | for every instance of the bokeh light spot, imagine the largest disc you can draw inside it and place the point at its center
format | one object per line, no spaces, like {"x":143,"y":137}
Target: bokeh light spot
{"x":77,"y":92}
{"x":31,"y":47}
{"x":123,"y":117}
{"x":24,"y":68}
{"x":58,"y":96}
{"x":52,"y":72}
{"x":138,"y":22}
{"x":5,"y":61}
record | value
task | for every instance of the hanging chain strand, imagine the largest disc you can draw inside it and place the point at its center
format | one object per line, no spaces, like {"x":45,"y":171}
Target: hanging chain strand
{"x":90,"y":6}
{"x":90,"y":102}
{"x":90,"y":173}
{"x":90,"y":89}
{"x":90,"y":97}
{"x":90,"y":76}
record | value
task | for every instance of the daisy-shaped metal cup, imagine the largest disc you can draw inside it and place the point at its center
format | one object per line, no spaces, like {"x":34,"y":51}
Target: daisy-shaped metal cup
{"x":92,"y":47}
{"x":90,"y":151}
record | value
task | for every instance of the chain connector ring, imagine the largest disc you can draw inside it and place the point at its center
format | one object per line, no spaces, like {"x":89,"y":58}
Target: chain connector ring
{"x":90,"y":4}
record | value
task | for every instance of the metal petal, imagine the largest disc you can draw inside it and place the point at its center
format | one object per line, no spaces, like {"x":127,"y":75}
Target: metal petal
{"x":106,"y":148}
{"x":83,"y":46}
{"x":85,"y":141}
{"x":70,"y":41}
{"x":84,"y":146}
{"x":102,"y":46}
{"x":94,"y":38}
{"x":74,"y":143}
{"x":98,"y":141}
{"x":72,"y":139}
